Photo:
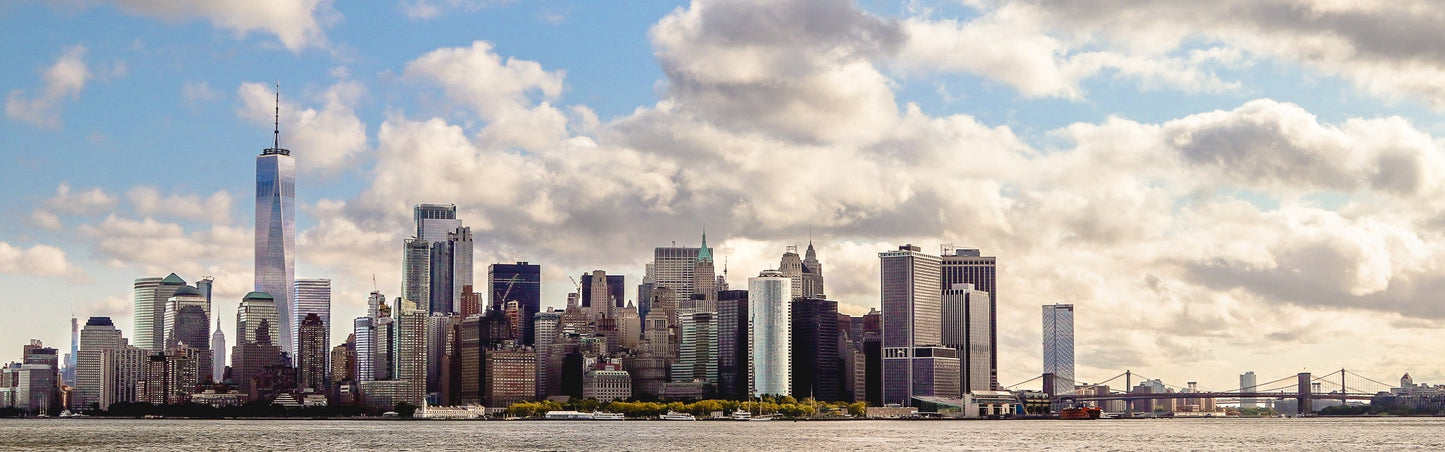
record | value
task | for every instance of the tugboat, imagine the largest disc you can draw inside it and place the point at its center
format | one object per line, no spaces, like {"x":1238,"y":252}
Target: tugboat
{"x":1080,"y":413}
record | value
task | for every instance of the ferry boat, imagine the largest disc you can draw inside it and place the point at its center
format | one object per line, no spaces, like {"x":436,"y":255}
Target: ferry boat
{"x":741,"y":415}
{"x":676,"y":416}
{"x":605,"y":416}
{"x":1080,"y":413}
{"x":569,"y":415}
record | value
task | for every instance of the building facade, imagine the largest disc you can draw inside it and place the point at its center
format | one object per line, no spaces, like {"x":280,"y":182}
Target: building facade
{"x":770,"y":335}
{"x":915,"y":364}
{"x":1058,"y":321}
{"x":815,"y":363}
{"x":966,"y":329}
{"x":970,"y":266}
{"x":520,"y":282}
{"x":276,"y":233}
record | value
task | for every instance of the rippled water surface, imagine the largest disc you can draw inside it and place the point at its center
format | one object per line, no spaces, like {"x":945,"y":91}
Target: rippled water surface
{"x":1138,"y":434}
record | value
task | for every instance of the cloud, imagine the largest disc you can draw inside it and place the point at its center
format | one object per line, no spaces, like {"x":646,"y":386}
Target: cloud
{"x":323,"y":140}
{"x":199,"y":92}
{"x":297,"y":24}
{"x":45,"y":220}
{"x":62,"y":81}
{"x":431,"y":9}
{"x":38,"y":260}
{"x":148,"y":201}
{"x":88,"y":202}
{"x":1013,"y":47}
{"x":1388,"y":49}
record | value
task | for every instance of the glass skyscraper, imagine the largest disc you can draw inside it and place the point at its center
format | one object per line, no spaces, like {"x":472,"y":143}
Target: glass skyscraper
{"x":276,"y":233}
{"x":1059,"y":346}
{"x":914,"y":361}
{"x":520,"y":282}
{"x":770,"y":333}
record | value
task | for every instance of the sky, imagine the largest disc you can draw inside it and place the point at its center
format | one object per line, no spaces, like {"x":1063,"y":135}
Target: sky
{"x":1218,"y":187}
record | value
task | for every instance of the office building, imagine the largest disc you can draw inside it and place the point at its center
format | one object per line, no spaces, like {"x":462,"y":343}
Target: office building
{"x":606,"y":385}
{"x":218,"y":353}
{"x":602,"y":293}
{"x":520,"y":282}
{"x":1059,"y":347}
{"x":98,"y":335}
{"x":678,"y":269}
{"x":312,"y":351}
{"x":253,"y":354}
{"x":121,"y":370}
{"x":257,"y":307}
{"x":416,"y":270}
{"x":770,"y":333}
{"x":276,"y":232}
{"x":151,"y":295}
{"x":815,"y":364}
{"x":313,"y":296}
{"x":510,"y":374}
{"x":915,"y":364}
{"x":196,"y":324}
{"x":697,"y":347}
{"x":1248,"y":383}
{"x":966,"y":329}
{"x":732,"y":343}
{"x":343,"y":361}
{"x":970,"y":266}
{"x":812,"y":274}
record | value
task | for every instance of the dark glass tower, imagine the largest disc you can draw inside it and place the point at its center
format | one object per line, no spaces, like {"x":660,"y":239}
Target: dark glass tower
{"x":815,"y":350}
{"x":521,"y":282}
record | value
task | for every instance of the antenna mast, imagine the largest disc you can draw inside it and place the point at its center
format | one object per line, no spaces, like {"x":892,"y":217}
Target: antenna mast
{"x":276,"y":132}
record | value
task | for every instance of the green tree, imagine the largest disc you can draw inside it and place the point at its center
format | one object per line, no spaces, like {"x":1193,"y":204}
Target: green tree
{"x":858,"y":409}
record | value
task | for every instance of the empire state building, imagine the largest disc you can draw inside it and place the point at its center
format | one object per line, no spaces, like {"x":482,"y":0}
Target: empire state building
{"x":276,"y":229}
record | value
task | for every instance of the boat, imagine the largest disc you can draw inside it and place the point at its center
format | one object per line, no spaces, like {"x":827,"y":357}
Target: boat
{"x":741,"y":415}
{"x":1080,"y":413}
{"x":605,"y":416}
{"x":569,"y":415}
{"x":676,"y":416}
{"x":761,"y":418}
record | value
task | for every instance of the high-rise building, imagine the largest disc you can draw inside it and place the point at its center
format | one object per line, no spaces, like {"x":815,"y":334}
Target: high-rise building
{"x":915,"y":364}
{"x":520,"y":282}
{"x":409,"y":350}
{"x":510,"y":374}
{"x":98,"y":335}
{"x":676,"y":268}
{"x":313,"y":296}
{"x":1248,"y":383}
{"x":704,"y":280}
{"x":770,"y":333}
{"x":438,"y":328}
{"x":416,"y":271}
{"x":970,"y":266}
{"x":276,"y":231}
{"x":68,"y":373}
{"x":365,"y":333}
{"x":815,"y":365}
{"x":121,"y":368}
{"x":435,"y":221}
{"x":151,"y":295}
{"x":601,"y":292}
{"x":187,"y":319}
{"x":343,"y":360}
{"x":791,"y":266}
{"x":311,"y":352}
{"x":644,"y":290}
{"x":253,"y":353}
{"x":966,"y":329}
{"x":732,"y":343}
{"x":218,"y":351}
{"x":812,"y":274}
{"x":1059,"y":346}
{"x":257,"y":307}
{"x":697,"y":347}
{"x":43,"y":390}
{"x":451,"y":271}
{"x":545,"y":327}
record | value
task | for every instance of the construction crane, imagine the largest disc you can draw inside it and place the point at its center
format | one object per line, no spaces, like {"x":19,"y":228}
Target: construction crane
{"x":506,"y":293}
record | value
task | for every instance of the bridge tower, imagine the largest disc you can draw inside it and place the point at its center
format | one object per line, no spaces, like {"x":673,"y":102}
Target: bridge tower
{"x":1304,"y":405}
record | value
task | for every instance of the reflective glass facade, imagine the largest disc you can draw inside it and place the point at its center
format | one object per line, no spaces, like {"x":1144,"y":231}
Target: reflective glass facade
{"x":770,"y":333}
{"x":1059,"y":346}
{"x":276,"y":236}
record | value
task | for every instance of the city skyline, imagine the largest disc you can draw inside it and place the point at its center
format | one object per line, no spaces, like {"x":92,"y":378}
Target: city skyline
{"x":1207,"y":202}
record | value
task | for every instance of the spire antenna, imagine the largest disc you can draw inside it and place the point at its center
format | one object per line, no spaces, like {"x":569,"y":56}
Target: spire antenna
{"x":276,"y":133}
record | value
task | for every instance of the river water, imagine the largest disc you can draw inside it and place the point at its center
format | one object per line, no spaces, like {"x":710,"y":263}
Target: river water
{"x":1104,"y":434}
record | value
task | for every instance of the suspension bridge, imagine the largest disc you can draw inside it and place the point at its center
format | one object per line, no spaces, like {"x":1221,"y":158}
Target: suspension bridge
{"x":1342,"y":385}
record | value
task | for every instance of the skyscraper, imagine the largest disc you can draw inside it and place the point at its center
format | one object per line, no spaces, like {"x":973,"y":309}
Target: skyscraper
{"x":814,"y":354}
{"x":218,"y":350}
{"x":970,"y":266}
{"x":966,"y":329}
{"x":311,"y":353}
{"x":732,"y":343}
{"x":613,"y":291}
{"x":416,"y":270}
{"x":915,"y":364}
{"x":98,"y":335}
{"x":447,"y":264}
{"x":812,"y":274}
{"x":697,"y":347}
{"x":313,"y":296}
{"x":276,"y":231}
{"x":188,"y":310}
{"x":1059,"y":346}
{"x":770,"y":326}
{"x":1247,"y":383}
{"x":520,"y":282}
{"x":792,"y":267}
{"x":68,"y":375}
{"x":677,"y":268}
{"x":151,"y":295}
{"x":256,"y":308}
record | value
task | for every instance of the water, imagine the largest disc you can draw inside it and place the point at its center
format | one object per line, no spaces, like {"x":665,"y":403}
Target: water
{"x":1134,"y":434}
